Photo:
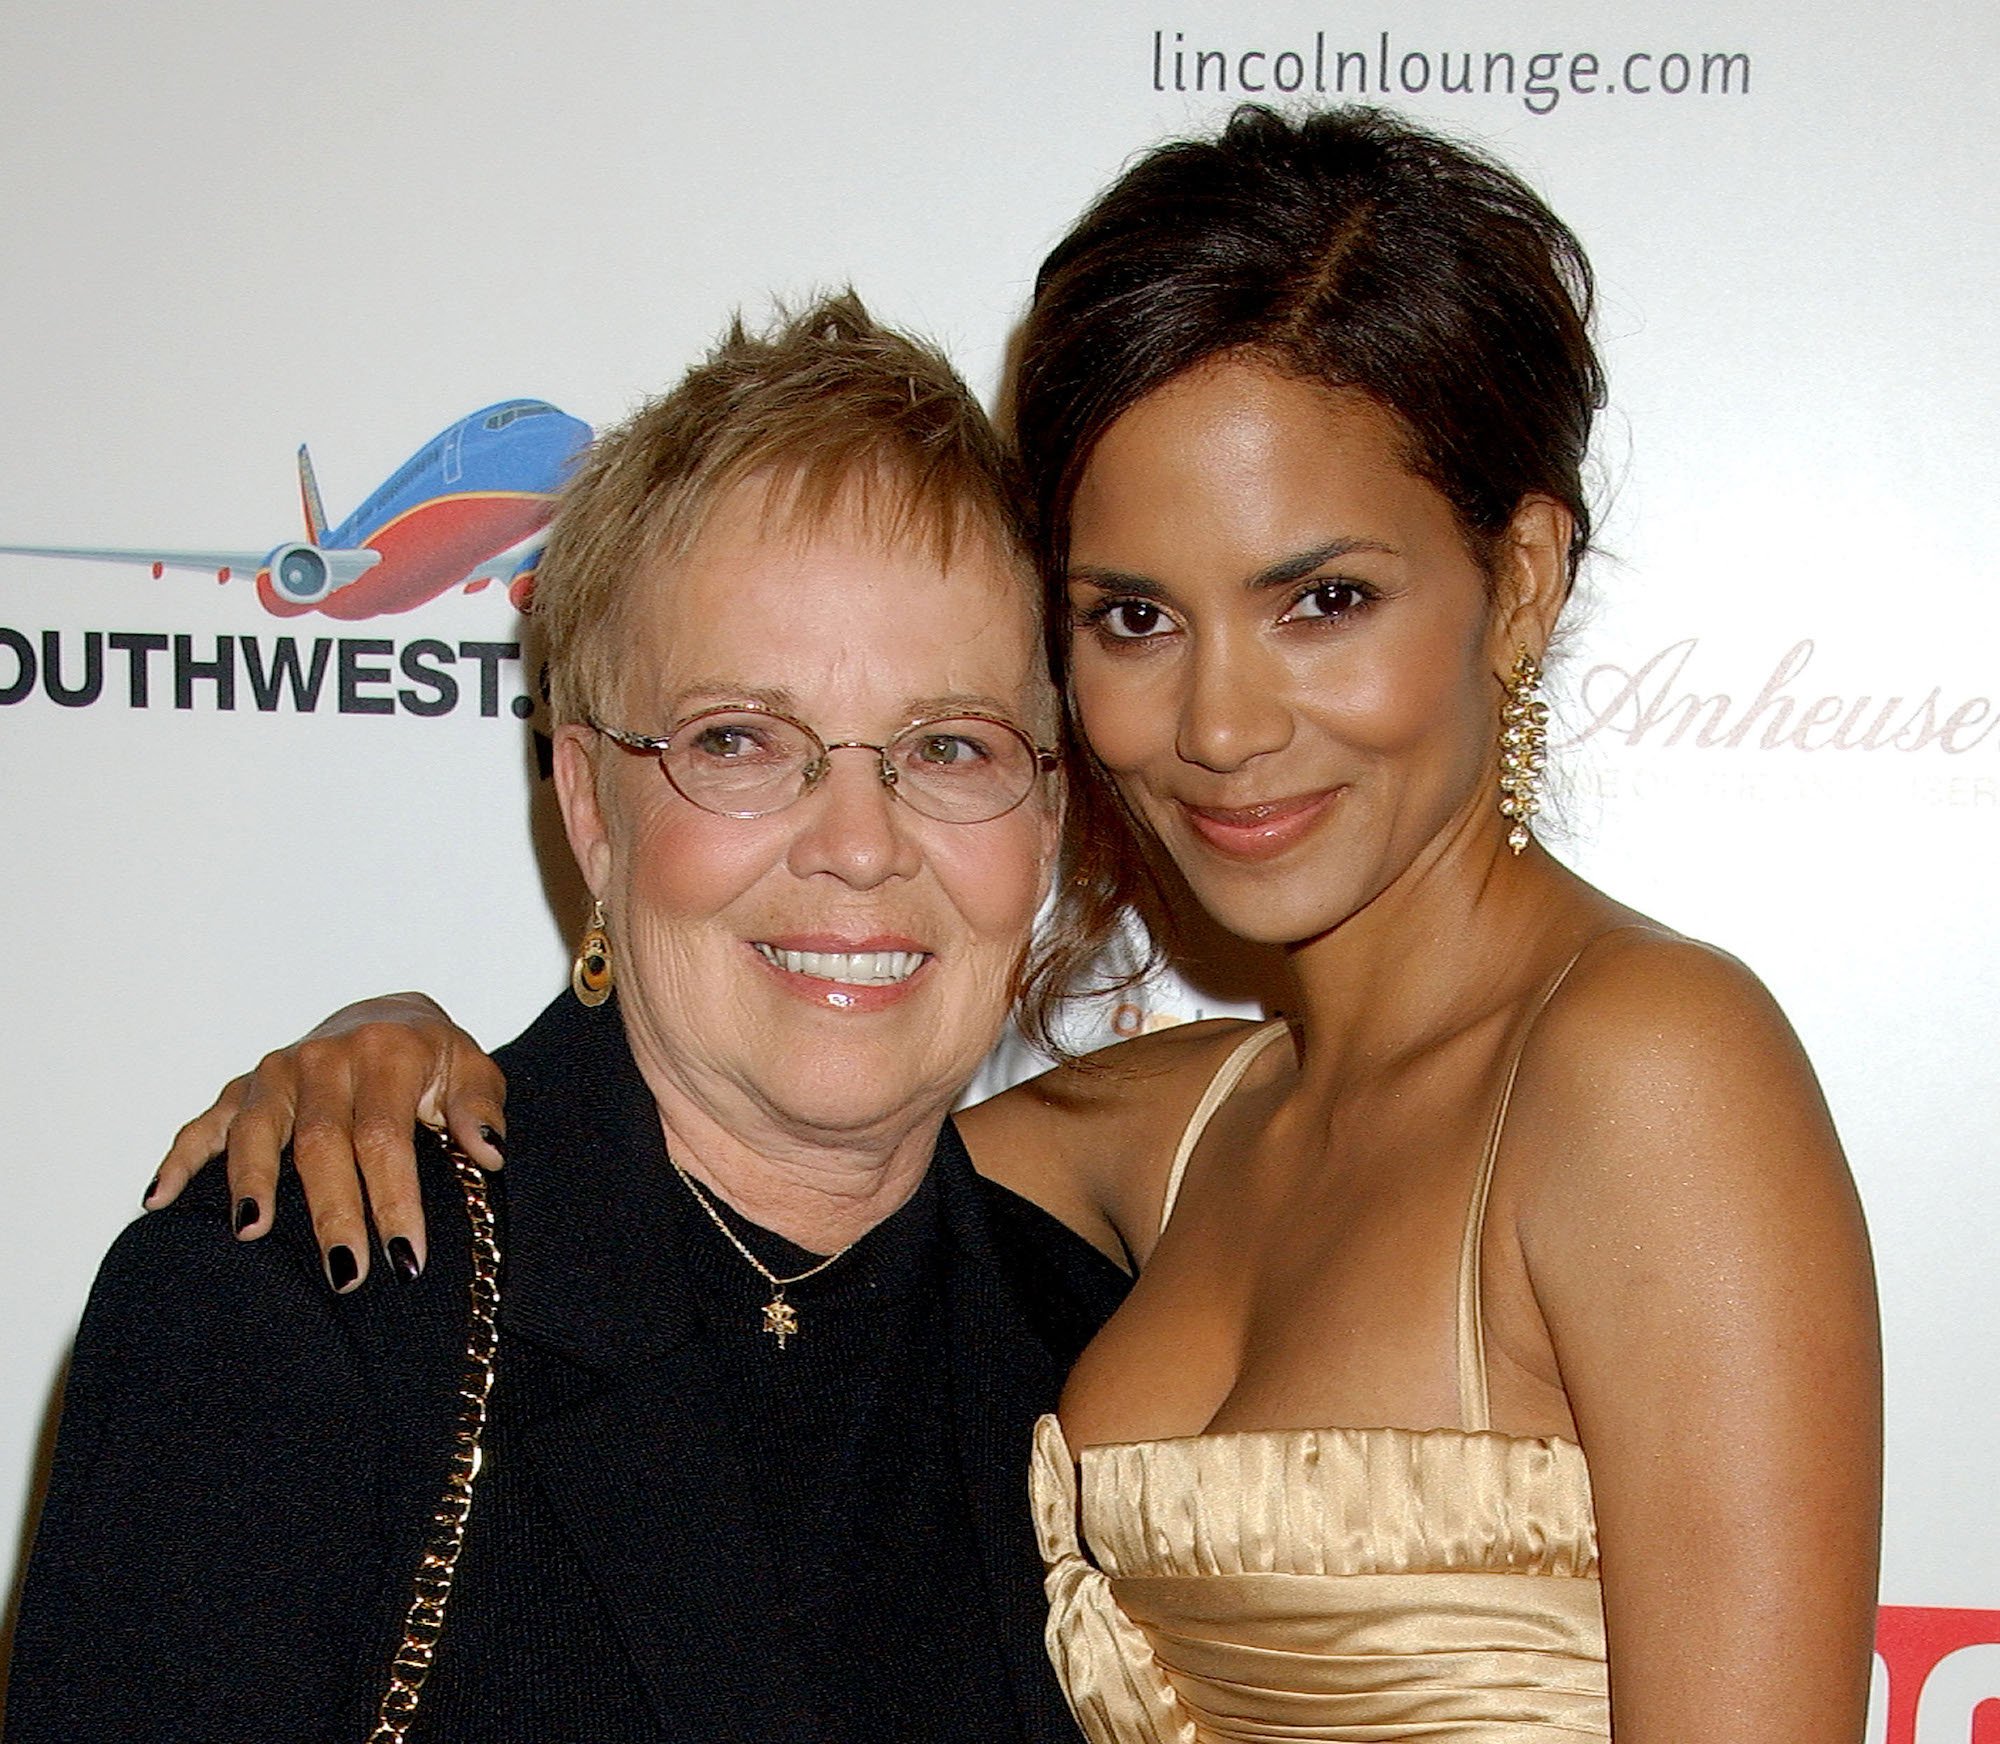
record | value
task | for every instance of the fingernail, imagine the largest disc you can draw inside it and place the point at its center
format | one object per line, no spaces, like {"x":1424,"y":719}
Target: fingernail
{"x":152,"y":1187}
{"x":403,"y":1257}
{"x":246,"y":1214}
{"x":341,"y":1267}
{"x":498,"y":1140}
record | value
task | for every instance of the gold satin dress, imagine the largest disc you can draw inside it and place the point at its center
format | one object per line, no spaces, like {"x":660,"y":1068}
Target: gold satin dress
{"x":1325,"y":1584}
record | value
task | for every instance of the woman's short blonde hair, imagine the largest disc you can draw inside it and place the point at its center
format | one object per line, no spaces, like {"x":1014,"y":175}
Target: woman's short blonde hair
{"x":839,"y":415}
{"x":838,"y":412}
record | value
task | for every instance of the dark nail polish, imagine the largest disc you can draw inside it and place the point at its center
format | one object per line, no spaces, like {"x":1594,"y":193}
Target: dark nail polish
{"x":403,"y":1257}
{"x":152,"y":1187}
{"x":498,"y":1140}
{"x":246,"y":1214}
{"x":341,"y":1267}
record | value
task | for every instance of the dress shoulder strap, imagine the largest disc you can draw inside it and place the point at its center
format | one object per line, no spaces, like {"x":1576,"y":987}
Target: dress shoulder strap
{"x":1227,"y":1077}
{"x":1474,"y":1406}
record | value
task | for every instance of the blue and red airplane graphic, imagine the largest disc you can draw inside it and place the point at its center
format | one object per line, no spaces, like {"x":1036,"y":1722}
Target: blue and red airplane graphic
{"x":471,"y":507}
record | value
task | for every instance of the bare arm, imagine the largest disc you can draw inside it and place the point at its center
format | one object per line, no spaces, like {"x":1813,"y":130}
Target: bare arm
{"x":346,"y":1097}
{"x":1090,"y":1144}
{"x":1697,"y":1249}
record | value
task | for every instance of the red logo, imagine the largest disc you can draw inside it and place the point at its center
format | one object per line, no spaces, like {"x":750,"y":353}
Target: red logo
{"x":1937,"y":1677}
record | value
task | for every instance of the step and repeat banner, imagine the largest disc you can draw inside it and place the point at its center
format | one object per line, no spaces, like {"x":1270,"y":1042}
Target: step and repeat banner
{"x":302,"y":309}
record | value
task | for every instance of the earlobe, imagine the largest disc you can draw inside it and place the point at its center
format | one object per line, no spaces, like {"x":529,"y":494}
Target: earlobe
{"x":576,"y":776}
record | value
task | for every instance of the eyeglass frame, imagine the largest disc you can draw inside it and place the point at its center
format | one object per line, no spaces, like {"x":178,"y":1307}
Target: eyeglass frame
{"x":1046,"y":760}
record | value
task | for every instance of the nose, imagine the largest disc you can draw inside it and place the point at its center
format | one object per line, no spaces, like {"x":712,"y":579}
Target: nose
{"x":851,"y":825}
{"x":1232,"y":705}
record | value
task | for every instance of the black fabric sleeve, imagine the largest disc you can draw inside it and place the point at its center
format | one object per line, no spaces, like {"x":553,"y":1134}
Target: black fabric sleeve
{"x":227,"y":1523}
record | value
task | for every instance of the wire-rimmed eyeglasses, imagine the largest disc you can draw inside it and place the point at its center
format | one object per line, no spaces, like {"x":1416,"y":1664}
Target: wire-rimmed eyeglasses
{"x":750,"y":762}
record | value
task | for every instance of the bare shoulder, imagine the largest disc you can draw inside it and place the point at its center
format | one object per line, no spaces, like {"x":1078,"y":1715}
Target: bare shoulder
{"x":1119,"y":1098}
{"x":1663,"y":1082}
{"x":1090,"y":1140}
{"x":1646,"y":1018}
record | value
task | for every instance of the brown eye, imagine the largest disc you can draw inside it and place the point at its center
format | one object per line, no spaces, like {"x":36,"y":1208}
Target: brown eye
{"x":1131,"y":620}
{"x":1327,"y":599}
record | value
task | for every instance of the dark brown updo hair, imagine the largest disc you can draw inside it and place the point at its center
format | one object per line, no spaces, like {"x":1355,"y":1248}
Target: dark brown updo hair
{"x":1346,"y":247}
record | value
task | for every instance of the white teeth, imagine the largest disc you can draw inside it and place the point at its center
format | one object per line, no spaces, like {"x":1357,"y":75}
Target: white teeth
{"x":856,"y":968}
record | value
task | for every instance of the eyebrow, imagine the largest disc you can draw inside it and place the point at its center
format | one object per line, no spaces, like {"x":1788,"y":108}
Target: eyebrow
{"x":1280,"y":574}
{"x":962,"y":702}
{"x":707,"y":693}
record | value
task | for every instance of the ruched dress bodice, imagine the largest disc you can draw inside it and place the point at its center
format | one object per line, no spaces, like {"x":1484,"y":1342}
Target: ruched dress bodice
{"x":1327,"y":1584}
{"x":1323,"y":1584}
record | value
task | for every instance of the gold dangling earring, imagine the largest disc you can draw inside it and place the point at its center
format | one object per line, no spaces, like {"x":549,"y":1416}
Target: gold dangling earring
{"x":1524,"y":735}
{"x":590,"y":970}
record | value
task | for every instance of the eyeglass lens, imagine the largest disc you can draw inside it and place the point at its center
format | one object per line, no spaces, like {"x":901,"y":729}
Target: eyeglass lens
{"x":746,"y":764}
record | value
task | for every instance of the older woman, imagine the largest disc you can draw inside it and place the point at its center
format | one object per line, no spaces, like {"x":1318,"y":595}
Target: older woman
{"x":769,"y":1352}
{"x":1503,"y":1361}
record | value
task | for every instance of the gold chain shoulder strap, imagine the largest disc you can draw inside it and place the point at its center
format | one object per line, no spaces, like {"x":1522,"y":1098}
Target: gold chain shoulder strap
{"x":423,"y":1623}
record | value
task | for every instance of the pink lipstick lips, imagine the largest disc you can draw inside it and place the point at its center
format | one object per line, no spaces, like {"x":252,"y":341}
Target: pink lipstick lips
{"x":844,"y":974}
{"x":1258,"y":832}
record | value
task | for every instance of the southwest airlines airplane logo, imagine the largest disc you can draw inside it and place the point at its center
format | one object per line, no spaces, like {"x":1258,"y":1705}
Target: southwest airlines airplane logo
{"x":472,"y":506}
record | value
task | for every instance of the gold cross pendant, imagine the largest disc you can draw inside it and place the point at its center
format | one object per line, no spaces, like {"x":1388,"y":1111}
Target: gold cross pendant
{"x":781,"y":1319}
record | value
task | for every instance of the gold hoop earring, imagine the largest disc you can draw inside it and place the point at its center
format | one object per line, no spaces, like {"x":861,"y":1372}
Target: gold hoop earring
{"x":590,"y":970}
{"x":1524,"y":736}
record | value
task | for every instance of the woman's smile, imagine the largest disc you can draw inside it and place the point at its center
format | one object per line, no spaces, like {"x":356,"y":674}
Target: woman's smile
{"x":856,"y":975}
{"x":1261,"y":831}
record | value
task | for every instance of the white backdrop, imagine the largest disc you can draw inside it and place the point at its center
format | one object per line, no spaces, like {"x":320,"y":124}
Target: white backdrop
{"x":227,"y":227}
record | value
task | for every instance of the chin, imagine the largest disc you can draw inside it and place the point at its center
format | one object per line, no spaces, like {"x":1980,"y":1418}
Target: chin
{"x":1284,"y":902}
{"x":857,"y":1083}
{"x":1260,"y":918}
{"x":844,"y":1095}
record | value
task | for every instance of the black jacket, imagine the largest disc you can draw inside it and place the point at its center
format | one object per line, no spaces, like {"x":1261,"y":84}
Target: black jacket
{"x":247,"y":1462}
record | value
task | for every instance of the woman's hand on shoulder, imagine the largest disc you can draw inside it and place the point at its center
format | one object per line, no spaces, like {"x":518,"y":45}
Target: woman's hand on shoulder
{"x":1091,"y":1140}
{"x":346,"y":1097}
{"x":1696,"y":1246}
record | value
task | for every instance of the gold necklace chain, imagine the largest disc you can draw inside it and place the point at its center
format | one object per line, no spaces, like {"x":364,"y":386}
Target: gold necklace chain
{"x":781,"y":1319}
